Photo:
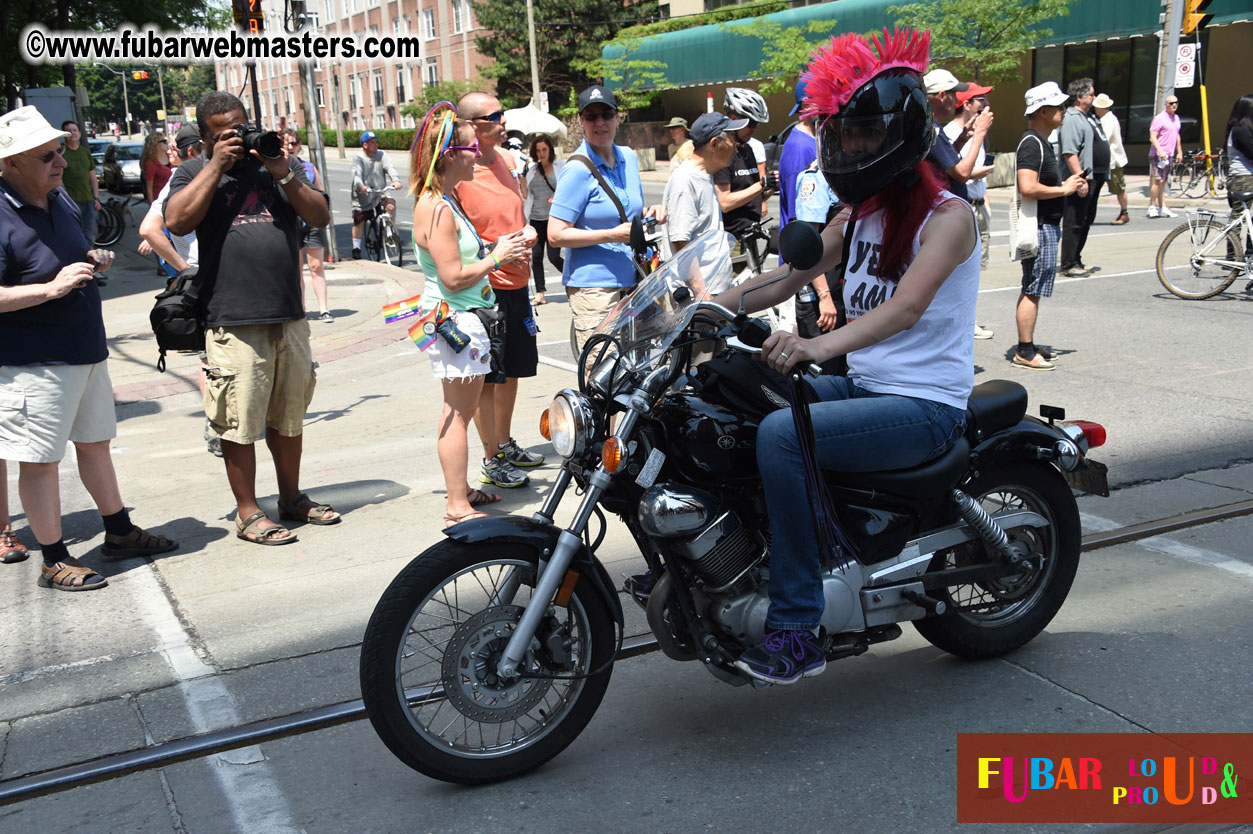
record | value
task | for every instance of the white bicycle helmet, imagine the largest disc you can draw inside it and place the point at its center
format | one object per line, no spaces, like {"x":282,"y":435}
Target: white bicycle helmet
{"x":746,"y":103}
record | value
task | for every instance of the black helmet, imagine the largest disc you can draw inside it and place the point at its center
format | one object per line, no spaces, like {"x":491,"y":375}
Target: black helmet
{"x":883,"y":131}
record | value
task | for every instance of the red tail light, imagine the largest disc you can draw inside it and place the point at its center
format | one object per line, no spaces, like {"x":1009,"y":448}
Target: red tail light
{"x":1094,"y":433}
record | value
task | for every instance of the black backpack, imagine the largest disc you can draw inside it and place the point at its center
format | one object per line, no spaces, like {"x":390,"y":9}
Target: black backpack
{"x":177,"y":320}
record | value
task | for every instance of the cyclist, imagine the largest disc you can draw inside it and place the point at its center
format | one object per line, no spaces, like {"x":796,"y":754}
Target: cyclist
{"x":744,"y":185}
{"x":372,"y":171}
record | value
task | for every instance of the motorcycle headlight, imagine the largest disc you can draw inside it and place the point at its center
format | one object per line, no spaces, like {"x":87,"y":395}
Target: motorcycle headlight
{"x":570,"y":424}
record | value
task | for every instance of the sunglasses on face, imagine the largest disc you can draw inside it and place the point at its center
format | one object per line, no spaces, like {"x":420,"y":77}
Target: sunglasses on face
{"x":599,"y":115}
{"x":1172,"y":104}
{"x":490,"y":117}
{"x":474,"y":147}
{"x":48,"y":157}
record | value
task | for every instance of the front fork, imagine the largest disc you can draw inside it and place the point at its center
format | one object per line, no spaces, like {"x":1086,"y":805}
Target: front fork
{"x":553,"y":567}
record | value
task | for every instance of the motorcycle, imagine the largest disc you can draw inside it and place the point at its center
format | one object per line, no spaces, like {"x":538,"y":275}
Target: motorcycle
{"x":490,"y":652}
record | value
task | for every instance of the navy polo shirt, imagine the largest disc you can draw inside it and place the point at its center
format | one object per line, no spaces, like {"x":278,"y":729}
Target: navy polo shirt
{"x":34,"y":246}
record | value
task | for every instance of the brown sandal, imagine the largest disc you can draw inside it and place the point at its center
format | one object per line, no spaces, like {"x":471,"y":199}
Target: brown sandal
{"x":12,"y":550}
{"x":70,"y":575}
{"x":138,"y":542}
{"x":250,"y":530}
{"x":479,"y":498}
{"x":303,"y":508}
{"x":452,"y":519}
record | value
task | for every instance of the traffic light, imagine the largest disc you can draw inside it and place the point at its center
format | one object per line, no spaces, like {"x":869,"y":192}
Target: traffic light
{"x":249,"y":16}
{"x":1193,"y":15}
{"x":140,"y":75}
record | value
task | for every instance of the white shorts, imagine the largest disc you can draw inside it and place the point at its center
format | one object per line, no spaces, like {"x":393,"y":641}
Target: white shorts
{"x":475,"y":359}
{"x":42,"y":407}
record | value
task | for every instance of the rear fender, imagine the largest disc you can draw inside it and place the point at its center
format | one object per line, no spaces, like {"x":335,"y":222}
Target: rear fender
{"x":1030,"y":440}
{"x":542,"y":538}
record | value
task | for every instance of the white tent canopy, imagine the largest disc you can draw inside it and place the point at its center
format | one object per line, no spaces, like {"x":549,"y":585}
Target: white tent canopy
{"x":531,"y":120}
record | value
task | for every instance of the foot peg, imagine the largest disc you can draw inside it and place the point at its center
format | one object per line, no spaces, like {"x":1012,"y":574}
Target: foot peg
{"x":933,"y":606}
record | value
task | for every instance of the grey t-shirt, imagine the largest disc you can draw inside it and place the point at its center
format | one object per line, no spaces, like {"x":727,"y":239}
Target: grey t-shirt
{"x":1076,"y":138}
{"x":373,"y":172}
{"x":691,"y":202}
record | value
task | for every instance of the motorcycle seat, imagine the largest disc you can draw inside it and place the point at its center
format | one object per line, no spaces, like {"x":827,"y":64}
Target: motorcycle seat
{"x":931,"y":478}
{"x":994,"y":405}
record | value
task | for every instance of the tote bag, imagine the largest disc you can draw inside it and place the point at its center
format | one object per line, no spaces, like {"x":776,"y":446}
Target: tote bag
{"x":1024,"y":236}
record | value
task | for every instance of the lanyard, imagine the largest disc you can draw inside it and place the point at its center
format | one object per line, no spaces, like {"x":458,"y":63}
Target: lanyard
{"x":456,"y":207}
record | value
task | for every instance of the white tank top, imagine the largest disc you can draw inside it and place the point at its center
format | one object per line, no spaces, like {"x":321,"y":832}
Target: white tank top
{"x":935,"y":358}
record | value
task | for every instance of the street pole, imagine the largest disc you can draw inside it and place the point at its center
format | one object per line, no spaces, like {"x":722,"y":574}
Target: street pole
{"x":165,"y":121}
{"x":1174,"y":24}
{"x":530,"y":34}
{"x":313,"y":126}
{"x":126,"y":104}
{"x":339,"y":128}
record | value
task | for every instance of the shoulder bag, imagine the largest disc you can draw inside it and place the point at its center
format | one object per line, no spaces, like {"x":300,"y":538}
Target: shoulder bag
{"x":1024,"y":234}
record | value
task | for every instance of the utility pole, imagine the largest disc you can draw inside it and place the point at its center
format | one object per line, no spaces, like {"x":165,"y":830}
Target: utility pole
{"x":1172,"y":19}
{"x":313,"y":126}
{"x":165,"y":119}
{"x":530,"y":34}
{"x":339,"y":127}
{"x":126,"y":104}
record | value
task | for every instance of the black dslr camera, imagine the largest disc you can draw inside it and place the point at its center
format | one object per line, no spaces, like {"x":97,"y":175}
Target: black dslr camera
{"x":265,"y":142}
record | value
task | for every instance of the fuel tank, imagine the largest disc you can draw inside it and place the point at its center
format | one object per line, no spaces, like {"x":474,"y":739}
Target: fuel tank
{"x":708,"y":441}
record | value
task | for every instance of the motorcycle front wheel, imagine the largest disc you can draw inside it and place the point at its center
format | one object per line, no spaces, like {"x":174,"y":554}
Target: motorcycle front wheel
{"x":430,"y":654}
{"x":992,"y":618}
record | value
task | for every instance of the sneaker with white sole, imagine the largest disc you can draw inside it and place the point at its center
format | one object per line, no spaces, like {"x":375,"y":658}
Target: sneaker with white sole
{"x":520,"y":457}
{"x":982,"y":332}
{"x":784,"y":657}
{"x":502,"y":473}
{"x":1152,"y":212}
{"x":1166,"y":212}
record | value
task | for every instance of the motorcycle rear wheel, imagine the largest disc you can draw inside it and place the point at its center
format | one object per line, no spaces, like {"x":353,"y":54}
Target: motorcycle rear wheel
{"x":990,"y":619}
{"x":428,"y":664}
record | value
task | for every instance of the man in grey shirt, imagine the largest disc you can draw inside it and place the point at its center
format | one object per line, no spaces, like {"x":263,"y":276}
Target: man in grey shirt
{"x":371,"y":169}
{"x":691,"y":199}
{"x":1084,"y":148}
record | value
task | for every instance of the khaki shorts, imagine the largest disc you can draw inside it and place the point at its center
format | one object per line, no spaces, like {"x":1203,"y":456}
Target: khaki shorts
{"x":589,"y":306}
{"x":43,"y":407}
{"x":258,"y":377}
{"x":1117,"y":182}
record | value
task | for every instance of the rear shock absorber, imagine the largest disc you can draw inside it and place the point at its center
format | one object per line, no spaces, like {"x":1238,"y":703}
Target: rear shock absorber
{"x":987,"y":528}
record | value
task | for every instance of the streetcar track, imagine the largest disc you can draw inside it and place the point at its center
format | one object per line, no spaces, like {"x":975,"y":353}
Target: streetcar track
{"x":113,"y":766}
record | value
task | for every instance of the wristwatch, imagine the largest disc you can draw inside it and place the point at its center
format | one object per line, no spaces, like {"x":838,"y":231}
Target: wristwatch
{"x":291,"y":175}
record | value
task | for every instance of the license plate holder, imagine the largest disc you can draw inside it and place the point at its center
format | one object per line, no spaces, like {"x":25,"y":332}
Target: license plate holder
{"x":1091,"y":477}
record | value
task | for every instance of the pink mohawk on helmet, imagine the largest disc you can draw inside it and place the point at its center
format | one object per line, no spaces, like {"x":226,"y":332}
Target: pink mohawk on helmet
{"x":843,"y":66}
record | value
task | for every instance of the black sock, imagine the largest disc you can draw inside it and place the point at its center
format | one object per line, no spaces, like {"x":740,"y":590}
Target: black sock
{"x":118,"y":524}
{"x":54,"y":553}
{"x":1026,"y":349}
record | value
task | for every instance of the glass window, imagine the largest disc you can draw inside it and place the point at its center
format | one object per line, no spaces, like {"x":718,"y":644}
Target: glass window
{"x":457,"y":24}
{"x":432,"y":71}
{"x":1080,"y":63}
{"x":378,"y":88}
{"x":1047,"y":66}
{"x":428,"y":24}
{"x":400,"y":85}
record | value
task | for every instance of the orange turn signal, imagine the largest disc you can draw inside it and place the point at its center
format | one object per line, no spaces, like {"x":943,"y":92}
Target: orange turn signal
{"x":543,"y":425}
{"x":611,"y":454}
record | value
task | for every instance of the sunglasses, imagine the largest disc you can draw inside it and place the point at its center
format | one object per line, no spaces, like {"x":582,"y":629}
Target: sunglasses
{"x":474,"y":147}
{"x":1172,"y":104}
{"x":490,"y":117}
{"x":599,"y":116}
{"x":47,"y":157}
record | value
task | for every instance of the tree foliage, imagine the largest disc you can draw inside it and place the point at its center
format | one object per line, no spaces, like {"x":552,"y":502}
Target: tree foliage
{"x":785,"y":49}
{"x":983,"y":38}
{"x":78,"y":15}
{"x":568,"y":39}
{"x":183,"y":88}
{"x":431,"y":94}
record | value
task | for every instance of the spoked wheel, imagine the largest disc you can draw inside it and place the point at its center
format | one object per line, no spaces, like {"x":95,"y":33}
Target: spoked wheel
{"x":373,"y":243}
{"x":391,"y":242}
{"x":108,"y":225}
{"x":1190,"y":261}
{"x":429,"y":665}
{"x":991,"y":618}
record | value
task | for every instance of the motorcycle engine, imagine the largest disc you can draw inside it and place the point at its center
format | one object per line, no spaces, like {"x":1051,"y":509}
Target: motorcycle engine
{"x":701,"y":529}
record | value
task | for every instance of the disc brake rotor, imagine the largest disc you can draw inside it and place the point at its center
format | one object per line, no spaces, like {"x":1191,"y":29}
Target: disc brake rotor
{"x":471,"y":682}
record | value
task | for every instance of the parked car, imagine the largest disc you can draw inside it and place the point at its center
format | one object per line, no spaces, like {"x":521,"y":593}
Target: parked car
{"x":98,"y":147}
{"x":121,"y":171}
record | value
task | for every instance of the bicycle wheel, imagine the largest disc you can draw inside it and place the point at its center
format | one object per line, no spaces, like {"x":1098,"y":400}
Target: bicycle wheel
{"x":1189,"y":261}
{"x":391,"y":241}
{"x":1196,"y":176}
{"x":373,"y":244}
{"x":108,"y":225}
{"x":1179,"y":175}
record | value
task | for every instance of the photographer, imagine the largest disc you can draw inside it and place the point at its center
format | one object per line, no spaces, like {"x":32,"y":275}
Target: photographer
{"x":245,"y":201}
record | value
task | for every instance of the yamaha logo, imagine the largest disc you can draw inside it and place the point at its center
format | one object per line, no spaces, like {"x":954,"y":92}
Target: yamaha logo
{"x":726,"y":442}
{"x":774,"y":398}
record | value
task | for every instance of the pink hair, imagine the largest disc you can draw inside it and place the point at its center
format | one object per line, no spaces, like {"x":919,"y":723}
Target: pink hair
{"x":843,"y":66}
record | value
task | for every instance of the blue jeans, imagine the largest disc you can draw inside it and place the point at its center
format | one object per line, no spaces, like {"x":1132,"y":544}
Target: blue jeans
{"x":854,"y":431}
{"x":87,"y":217}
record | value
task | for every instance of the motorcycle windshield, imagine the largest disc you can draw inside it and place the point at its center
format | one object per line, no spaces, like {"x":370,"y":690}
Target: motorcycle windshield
{"x":647,"y":321}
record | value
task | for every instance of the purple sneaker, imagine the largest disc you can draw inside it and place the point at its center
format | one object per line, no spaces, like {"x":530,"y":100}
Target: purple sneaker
{"x":784,"y":657}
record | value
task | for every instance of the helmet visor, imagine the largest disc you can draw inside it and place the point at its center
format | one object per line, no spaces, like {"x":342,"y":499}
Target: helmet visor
{"x":848,"y":144}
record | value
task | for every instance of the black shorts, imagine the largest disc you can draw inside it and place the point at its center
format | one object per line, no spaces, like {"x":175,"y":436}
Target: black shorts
{"x":313,"y":238}
{"x":521,"y":355}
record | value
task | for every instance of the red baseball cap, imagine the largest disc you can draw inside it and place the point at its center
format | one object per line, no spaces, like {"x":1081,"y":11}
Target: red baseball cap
{"x":972,"y":91}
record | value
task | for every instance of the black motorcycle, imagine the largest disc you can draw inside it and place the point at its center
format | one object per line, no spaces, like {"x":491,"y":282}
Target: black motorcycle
{"x":491,"y":651}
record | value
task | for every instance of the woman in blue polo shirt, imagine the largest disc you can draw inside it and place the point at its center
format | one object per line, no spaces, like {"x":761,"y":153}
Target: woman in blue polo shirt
{"x":585,"y":219}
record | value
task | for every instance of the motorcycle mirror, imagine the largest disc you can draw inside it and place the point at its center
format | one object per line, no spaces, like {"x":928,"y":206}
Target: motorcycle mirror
{"x":800,"y":245}
{"x":638,"y":243}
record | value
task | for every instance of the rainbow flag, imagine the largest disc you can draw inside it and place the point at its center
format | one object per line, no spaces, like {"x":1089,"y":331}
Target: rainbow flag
{"x":423,"y":330}
{"x":401,"y":309}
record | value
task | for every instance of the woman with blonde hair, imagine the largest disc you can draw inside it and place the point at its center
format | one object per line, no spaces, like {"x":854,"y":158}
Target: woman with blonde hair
{"x":154,"y":164}
{"x":457,"y":296}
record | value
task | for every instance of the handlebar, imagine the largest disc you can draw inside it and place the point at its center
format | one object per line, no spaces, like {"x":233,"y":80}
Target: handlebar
{"x":751,"y":329}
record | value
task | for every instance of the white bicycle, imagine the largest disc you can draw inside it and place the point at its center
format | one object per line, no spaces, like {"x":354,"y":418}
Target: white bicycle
{"x":1204,"y":256}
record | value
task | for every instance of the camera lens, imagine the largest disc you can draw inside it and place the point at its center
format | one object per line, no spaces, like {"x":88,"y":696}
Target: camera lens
{"x":269,"y":144}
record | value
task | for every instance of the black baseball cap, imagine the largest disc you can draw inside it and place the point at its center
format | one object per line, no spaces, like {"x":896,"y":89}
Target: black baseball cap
{"x":187,"y":136}
{"x":709,"y":125}
{"x":597,"y":95}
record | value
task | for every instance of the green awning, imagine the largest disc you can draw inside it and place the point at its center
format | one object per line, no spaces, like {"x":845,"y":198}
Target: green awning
{"x":711,"y":55}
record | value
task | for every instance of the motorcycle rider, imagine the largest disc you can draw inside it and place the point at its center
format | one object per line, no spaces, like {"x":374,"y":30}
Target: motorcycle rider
{"x":910,"y":290}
